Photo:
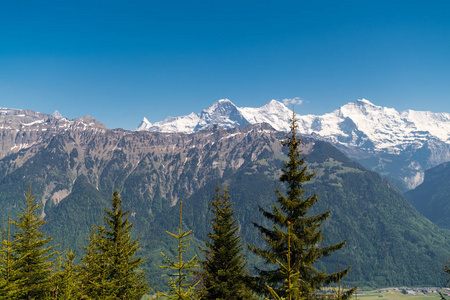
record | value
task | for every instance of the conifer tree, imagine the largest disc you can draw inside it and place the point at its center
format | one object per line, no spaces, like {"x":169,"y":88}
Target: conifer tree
{"x":30,"y":253}
{"x":111,"y":268}
{"x":125,"y":267}
{"x":305,"y":236}
{"x":180,"y":287}
{"x":94,"y":283}
{"x":9,"y":288}
{"x":66,"y":280}
{"x":223,"y":269}
{"x":292,"y":277}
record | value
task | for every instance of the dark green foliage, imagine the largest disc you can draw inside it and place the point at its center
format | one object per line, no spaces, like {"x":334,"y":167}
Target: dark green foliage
{"x":66,"y":280}
{"x":94,"y":281}
{"x":9,"y":284}
{"x":388,"y":240}
{"x":446,"y":268}
{"x":180,"y":287}
{"x":292,"y":284}
{"x":380,"y":226}
{"x":431,"y":197}
{"x":30,"y":252}
{"x":67,"y":223}
{"x":111,"y":269}
{"x":303,"y":242}
{"x":223,"y":273}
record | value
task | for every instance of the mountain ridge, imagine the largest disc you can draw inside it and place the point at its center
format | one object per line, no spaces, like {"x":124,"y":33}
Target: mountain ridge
{"x":399,"y":145}
{"x":351,"y":124}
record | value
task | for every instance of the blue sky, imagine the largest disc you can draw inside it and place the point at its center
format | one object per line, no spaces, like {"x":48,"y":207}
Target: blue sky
{"x":122,"y":60}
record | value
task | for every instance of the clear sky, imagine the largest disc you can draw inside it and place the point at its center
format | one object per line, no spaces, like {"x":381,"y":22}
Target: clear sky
{"x":122,"y":60}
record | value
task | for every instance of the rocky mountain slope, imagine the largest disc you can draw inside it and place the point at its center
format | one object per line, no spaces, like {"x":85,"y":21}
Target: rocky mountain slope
{"x":21,"y":129}
{"x":75,"y":170}
{"x":399,"y":145}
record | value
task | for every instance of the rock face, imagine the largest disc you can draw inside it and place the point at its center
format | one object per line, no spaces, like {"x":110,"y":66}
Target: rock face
{"x":399,"y":145}
{"x":21,"y":129}
{"x":174,"y":164}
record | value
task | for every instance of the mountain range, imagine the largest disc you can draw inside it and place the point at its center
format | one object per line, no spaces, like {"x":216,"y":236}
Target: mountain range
{"x":358,"y":124}
{"x":74,"y":166}
{"x":399,"y":145}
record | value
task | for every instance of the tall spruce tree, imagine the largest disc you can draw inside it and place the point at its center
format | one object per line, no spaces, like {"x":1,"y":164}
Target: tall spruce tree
{"x":223,"y":273}
{"x":31,"y":253}
{"x":180,"y":285}
{"x":111,"y":268}
{"x":301,"y":247}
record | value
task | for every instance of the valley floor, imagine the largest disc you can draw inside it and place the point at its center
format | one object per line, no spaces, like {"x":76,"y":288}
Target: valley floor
{"x":402,"y":293}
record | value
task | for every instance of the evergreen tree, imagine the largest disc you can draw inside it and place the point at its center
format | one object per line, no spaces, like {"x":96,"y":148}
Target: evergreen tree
{"x":292,"y":278}
{"x":30,"y":253}
{"x":223,"y":270}
{"x":9,"y":288}
{"x":180,"y":287}
{"x":111,"y":268}
{"x":66,"y":281}
{"x":94,"y":283}
{"x":305,"y":237}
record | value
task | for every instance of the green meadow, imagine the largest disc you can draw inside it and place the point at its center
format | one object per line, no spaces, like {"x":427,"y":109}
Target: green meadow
{"x":397,"y":294}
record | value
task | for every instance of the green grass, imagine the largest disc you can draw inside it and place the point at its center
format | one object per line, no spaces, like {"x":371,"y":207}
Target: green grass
{"x":384,"y":294}
{"x":391,"y":294}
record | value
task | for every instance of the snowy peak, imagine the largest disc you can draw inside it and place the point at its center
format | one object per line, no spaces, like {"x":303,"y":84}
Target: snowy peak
{"x":57,"y":115}
{"x":144,"y":125}
{"x":380,"y":128}
{"x":359,"y":124}
{"x":223,"y":113}
{"x":274,"y":113}
{"x":361,"y":107}
{"x":221,"y":107}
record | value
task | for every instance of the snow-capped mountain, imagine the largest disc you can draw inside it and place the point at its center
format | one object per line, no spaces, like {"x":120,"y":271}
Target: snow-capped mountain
{"x":222,"y":112}
{"x":370,"y":127}
{"x":400,"y":145}
{"x":274,"y":113}
{"x":358,"y":124}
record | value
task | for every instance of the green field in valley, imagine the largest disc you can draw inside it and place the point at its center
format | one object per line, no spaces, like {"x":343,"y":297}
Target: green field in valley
{"x":400,"y":294}
{"x":391,"y":294}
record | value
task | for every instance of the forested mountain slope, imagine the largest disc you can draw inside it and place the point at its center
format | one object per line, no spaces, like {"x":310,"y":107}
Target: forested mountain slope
{"x":389,"y":243}
{"x":432,"y":197}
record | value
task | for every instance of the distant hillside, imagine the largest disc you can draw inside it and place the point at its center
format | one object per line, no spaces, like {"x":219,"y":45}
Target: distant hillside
{"x":432,"y":197}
